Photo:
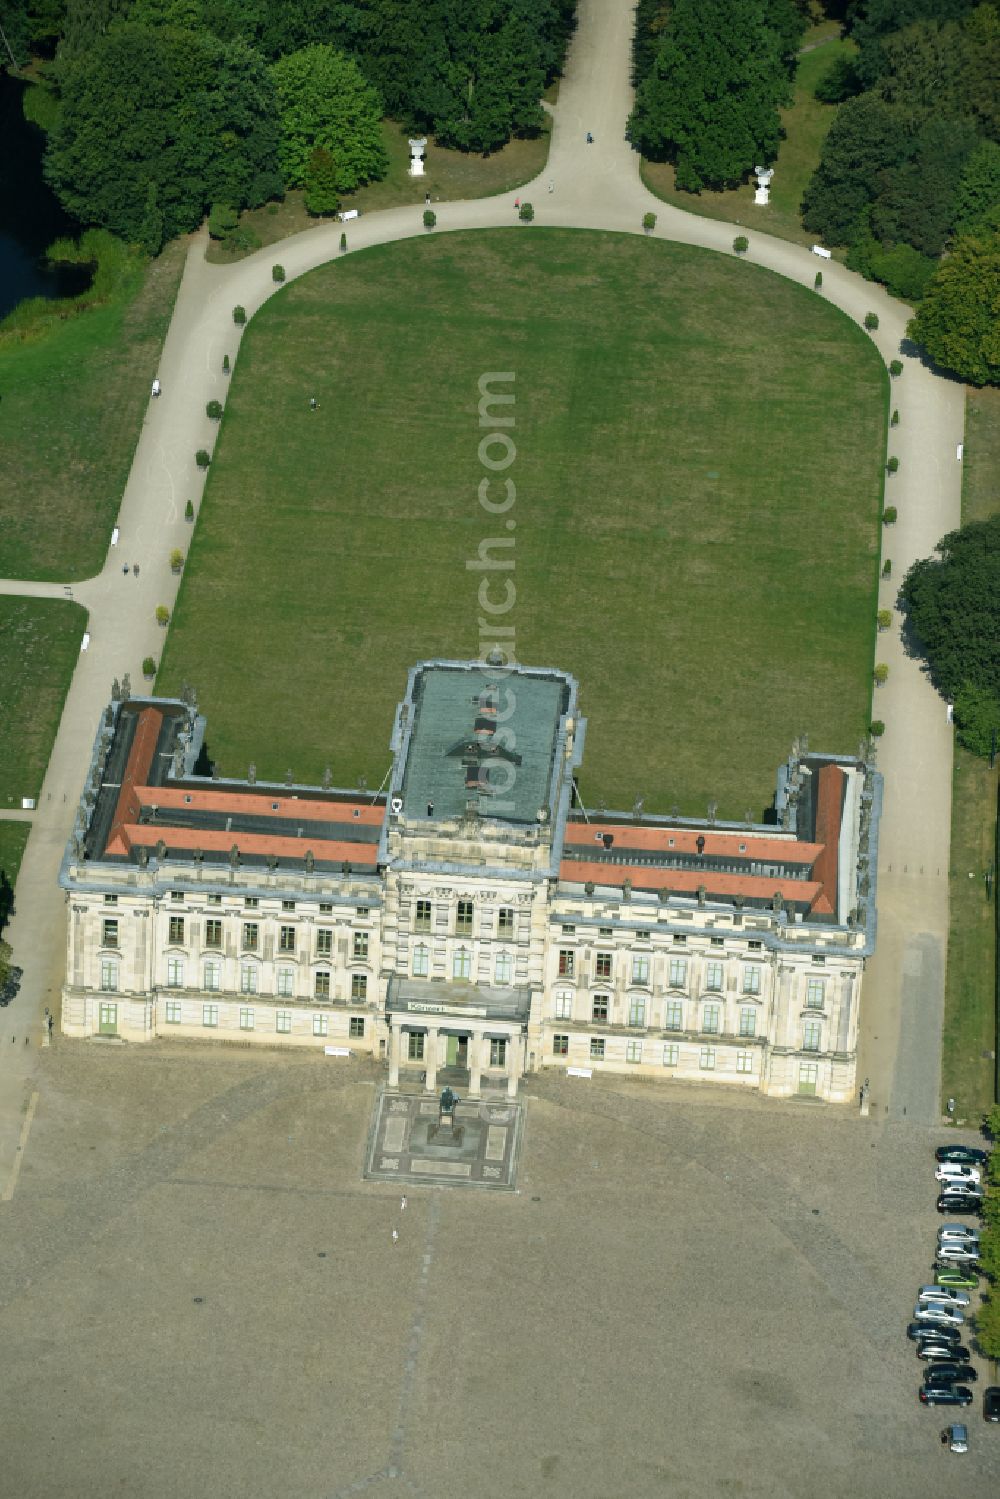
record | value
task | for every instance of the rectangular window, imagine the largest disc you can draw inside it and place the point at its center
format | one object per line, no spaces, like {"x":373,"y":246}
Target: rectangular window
{"x":421,"y":962}
{"x":751,"y":978}
{"x":177,"y":895}
{"x":814,"y":994}
{"x":748,"y":1021}
{"x":678,"y":972}
{"x":564,"y":1004}
{"x":213,"y":932}
{"x":321,"y":984}
{"x":568,"y":931}
{"x":671,"y":1052}
{"x":637,"y":1012}
{"x":600,"y":1007}
{"x":498,"y":1053}
{"x":283,"y":1022}
{"x":108,"y":1020}
{"x":361,"y":911}
{"x":288,"y":905}
{"x":597,"y":1048}
{"x":211,"y":974}
{"x":811,"y":1033}
{"x":633,"y":1051}
{"x":111,"y":900}
{"x":324,"y":942}
{"x":710,"y":1019}
{"x":326,"y":908}
{"x":173,"y":1012}
{"x":718,"y":941}
{"x":680,"y":940}
{"x":503,"y":968}
{"x":808,"y":1078}
{"x":246,"y":1019}
{"x":360,"y":949}
{"x":706,"y":1059}
{"x":286,"y":939}
{"x":567,"y":963}
{"x":214,"y":900}
{"x":210,"y":1016}
{"x":755,"y":944}
{"x":713,"y":976}
{"x":321,"y":1025}
{"x":744,"y":1061}
{"x":422,"y":919}
{"x":251,"y":902}
{"x":602,"y":965}
{"x":463,"y":919}
{"x":176,"y":930}
{"x":673,"y":1015}
{"x":286,"y":982}
{"x":415,"y":1046}
{"x":606,"y":931}
{"x":175,"y":973}
{"x":505,"y":921}
{"x":461,"y":963}
{"x":560,"y":1046}
{"x":357,"y":1027}
{"x":251,"y":933}
{"x":640,"y":969}
{"x":359,"y":986}
{"x":109,"y":975}
{"x":248,"y":978}
{"x":109,"y":934}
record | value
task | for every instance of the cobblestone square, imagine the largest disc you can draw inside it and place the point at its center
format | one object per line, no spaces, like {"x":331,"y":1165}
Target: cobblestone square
{"x":408,"y":1142}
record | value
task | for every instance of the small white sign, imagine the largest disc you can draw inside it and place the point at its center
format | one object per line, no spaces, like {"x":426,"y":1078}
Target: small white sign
{"x":826,"y":254}
{"x":579,"y":1072}
{"x":85,"y":642}
{"x":960,"y":450}
{"x":114,"y":537}
{"x":337,"y":1051}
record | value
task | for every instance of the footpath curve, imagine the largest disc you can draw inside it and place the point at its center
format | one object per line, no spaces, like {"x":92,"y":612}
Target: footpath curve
{"x":592,"y":187}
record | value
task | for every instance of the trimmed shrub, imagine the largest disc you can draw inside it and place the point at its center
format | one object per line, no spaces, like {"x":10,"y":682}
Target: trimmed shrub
{"x":176,"y":560}
{"x":881,"y":674}
{"x":225,"y":364}
{"x":526,"y":213}
{"x":343,"y":243}
{"x":162,"y":616}
{"x":894,"y":419}
{"x":871,"y":321}
{"x":148,"y":666}
{"x":277,"y":273}
{"x":430,"y":218}
{"x":214,"y":410}
{"x":239,"y":316}
{"x":892,"y":466}
{"x":887,"y":568}
{"x":649,"y":222}
{"x":888,"y":519}
{"x":741,"y":244}
{"x":817,"y":281}
{"x":896,"y":367}
{"x":189,"y":511}
{"x":203,"y":458}
{"x":883,"y":618}
{"x":876,"y":728}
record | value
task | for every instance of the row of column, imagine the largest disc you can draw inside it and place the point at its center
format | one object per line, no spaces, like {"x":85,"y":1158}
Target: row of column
{"x":477,"y":1042}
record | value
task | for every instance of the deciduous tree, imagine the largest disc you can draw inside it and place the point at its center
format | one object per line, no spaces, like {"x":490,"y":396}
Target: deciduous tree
{"x":958,"y":322}
{"x":326,"y":103}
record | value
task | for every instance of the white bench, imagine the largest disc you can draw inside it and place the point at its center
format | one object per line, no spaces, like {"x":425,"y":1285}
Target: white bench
{"x":337,"y":1051}
{"x":350,"y":213}
{"x":579,"y":1072}
{"x":826,"y":254}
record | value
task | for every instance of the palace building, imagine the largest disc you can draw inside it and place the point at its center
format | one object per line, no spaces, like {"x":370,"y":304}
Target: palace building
{"x":472,"y":922}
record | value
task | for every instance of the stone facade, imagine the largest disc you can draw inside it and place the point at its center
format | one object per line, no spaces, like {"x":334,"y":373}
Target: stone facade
{"x":451,"y":936}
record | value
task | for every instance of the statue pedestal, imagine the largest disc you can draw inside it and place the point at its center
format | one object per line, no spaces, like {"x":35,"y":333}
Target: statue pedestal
{"x":417,"y":149}
{"x":761,"y":196}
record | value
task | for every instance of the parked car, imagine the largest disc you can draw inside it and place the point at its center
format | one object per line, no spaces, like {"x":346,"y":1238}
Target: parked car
{"x":933,"y":1350}
{"x":944,"y":1293}
{"x":956,"y":1437}
{"x":991,"y":1403}
{"x":957,"y":1231}
{"x":918,"y":1331}
{"x":965,"y":1155}
{"x":958,"y":1280}
{"x":959,"y":1202}
{"x":950,"y":1372}
{"x":947,"y":1395}
{"x":937,"y":1311}
{"x":954,"y":1171}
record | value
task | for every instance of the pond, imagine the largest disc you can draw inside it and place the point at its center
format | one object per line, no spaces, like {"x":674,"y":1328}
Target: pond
{"x":30,"y":215}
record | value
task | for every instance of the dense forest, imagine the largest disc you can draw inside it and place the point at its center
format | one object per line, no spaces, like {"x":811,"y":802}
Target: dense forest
{"x":157,"y":109}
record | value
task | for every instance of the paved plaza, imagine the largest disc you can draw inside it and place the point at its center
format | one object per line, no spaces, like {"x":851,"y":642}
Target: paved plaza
{"x":413,"y":1140}
{"x":686,"y":1295}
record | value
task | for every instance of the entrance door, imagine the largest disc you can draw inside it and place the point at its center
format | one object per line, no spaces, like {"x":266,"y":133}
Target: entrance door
{"x":108,"y":1020}
{"x":452,"y":1056}
{"x":463,"y":1051}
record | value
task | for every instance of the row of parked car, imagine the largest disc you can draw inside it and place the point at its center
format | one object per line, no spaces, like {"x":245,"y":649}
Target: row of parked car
{"x":939,"y":1314}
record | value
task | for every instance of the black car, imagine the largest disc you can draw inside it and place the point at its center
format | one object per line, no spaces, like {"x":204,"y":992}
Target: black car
{"x":959,"y":1202}
{"x":961,"y":1155}
{"x":919,"y":1332}
{"x":934,"y":1350}
{"x":949,"y":1373}
{"x":991,"y":1403}
{"x":947,"y":1395}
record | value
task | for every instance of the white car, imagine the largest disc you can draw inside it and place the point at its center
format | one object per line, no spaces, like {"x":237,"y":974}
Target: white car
{"x":943,"y":1293}
{"x":957,"y":1231}
{"x":949,"y":1255}
{"x":953,"y":1171}
{"x":937,"y":1311}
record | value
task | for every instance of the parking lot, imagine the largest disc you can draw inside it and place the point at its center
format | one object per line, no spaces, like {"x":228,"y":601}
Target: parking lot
{"x":689,"y":1294}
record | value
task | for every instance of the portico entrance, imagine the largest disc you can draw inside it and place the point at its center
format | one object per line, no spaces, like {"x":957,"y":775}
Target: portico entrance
{"x":458,"y":1051}
{"x":470,"y":1031}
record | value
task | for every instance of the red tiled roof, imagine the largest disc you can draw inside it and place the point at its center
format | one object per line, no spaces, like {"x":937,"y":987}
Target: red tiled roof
{"x":720,"y":845}
{"x":126,"y":836}
{"x":687,"y":881}
{"x":260,"y":804}
{"x":829,"y":810}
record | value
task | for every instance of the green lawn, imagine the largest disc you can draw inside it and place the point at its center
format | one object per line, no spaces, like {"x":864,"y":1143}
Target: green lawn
{"x":698,"y":475}
{"x":805,"y":123}
{"x":967,"y":1072}
{"x":13,"y":837}
{"x":72,"y":404}
{"x":42,"y":636}
{"x":449,"y":175}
